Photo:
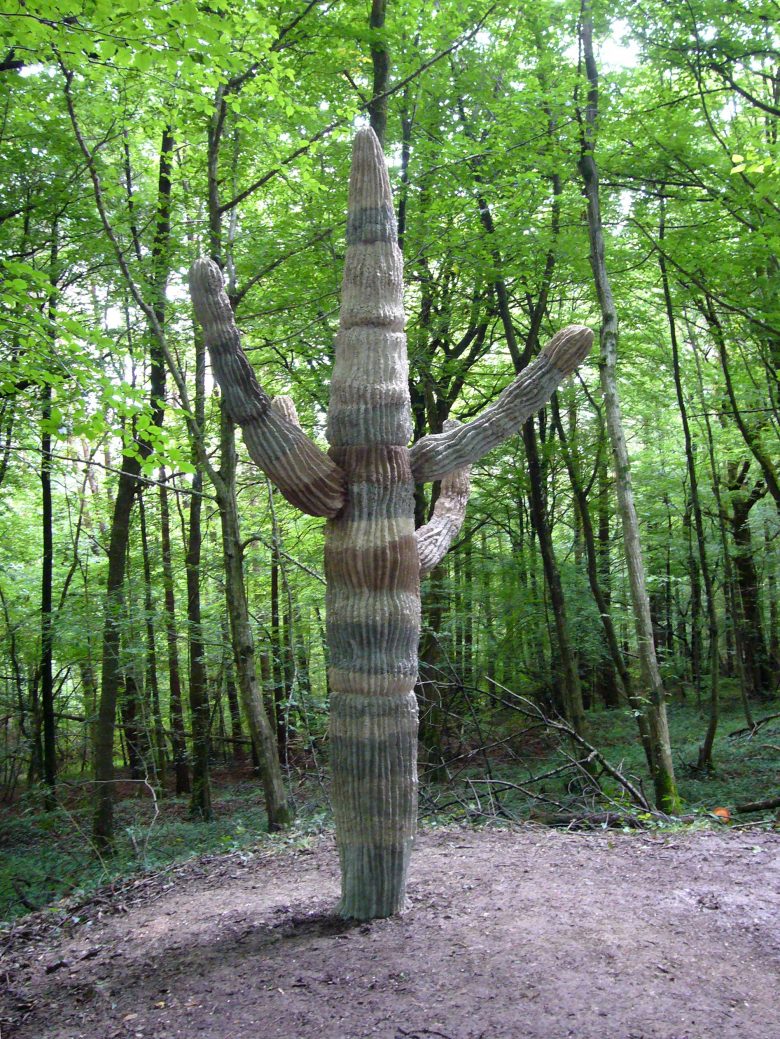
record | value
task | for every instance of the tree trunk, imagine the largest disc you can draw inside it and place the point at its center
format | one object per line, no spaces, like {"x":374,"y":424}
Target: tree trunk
{"x":278,"y":807}
{"x":567,"y":664}
{"x":133,"y":725}
{"x":666,"y":794}
{"x":571,"y":691}
{"x":754,"y":644}
{"x":152,"y":683}
{"x":47,"y":569}
{"x":111,"y":678}
{"x":619,"y":670}
{"x":705,"y":751}
{"x":278,"y":649}
{"x":380,"y":59}
{"x":178,"y":741}
{"x":234,"y":709}
{"x":47,"y":559}
{"x":103,"y":823}
{"x":200,"y":800}
{"x":733,"y":621}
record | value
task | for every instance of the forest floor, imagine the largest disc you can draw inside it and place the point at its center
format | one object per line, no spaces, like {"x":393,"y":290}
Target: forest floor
{"x":524,"y":933}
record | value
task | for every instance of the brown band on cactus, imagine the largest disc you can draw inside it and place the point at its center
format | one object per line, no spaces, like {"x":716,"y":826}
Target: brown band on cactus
{"x":304,"y":474}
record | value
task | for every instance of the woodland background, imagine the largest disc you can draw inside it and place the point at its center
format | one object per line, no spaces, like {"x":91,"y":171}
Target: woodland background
{"x":136,"y":137}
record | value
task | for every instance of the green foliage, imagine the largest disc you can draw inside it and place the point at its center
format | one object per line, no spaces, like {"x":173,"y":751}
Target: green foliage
{"x":48,"y":856}
{"x":688,"y":122}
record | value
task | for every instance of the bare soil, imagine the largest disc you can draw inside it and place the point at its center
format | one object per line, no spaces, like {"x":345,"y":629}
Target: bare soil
{"x":524,"y":934}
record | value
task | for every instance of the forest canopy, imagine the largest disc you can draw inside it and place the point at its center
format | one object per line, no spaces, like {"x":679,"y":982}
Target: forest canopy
{"x":161,"y":606}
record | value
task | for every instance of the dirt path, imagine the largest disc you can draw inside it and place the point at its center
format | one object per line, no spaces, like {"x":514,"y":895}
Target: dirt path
{"x":510,"y":935}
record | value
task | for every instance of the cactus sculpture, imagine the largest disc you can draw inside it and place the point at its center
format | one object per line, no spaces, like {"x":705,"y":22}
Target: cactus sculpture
{"x":374,"y":558}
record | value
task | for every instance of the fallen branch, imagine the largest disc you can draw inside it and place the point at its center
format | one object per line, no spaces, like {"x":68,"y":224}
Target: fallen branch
{"x":587,"y":820}
{"x":750,"y":730}
{"x":758,"y":806}
{"x":532,"y":710}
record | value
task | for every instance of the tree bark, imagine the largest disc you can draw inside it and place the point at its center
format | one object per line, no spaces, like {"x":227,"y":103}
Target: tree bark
{"x":47,"y":561}
{"x":278,"y":808}
{"x":103,"y":823}
{"x":200,"y":799}
{"x":664,"y":781}
{"x":754,"y":644}
{"x":732,"y":606}
{"x":152,"y":684}
{"x":705,"y":751}
{"x":380,"y":59}
{"x":178,"y":741}
{"x":620,"y":671}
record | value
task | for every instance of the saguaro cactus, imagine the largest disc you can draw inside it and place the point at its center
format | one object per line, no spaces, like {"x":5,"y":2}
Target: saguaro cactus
{"x":373,"y":557}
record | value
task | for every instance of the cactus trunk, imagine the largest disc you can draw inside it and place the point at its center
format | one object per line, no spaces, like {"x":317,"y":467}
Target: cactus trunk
{"x":371,"y":560}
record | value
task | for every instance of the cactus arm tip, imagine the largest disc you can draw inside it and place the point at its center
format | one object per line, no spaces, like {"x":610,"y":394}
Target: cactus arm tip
{"x":434,"y":456}
{"x":568,"y":348}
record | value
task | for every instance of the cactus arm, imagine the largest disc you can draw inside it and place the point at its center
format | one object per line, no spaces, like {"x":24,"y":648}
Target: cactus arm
{"x":435,"y":456}
{"x":303,"y":473}
{"x":434,"y":539}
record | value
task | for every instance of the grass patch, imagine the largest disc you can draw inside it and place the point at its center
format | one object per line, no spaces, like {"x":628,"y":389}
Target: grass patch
{"x":45,"y":856}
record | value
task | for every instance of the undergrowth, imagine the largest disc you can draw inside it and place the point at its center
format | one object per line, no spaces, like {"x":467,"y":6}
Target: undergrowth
{"x":47,"y":855}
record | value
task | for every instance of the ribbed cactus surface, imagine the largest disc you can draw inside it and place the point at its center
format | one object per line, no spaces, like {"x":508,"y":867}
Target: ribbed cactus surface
{"x":371,"y":560}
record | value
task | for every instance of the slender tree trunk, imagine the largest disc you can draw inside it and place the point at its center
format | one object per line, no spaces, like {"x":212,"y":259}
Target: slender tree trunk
{"x":278,"y":807}
{"x":754,"y":643}
{"x":705,"y":751}
{"x":47,"y":573}
{"x":749,"y":435}
{"x":200,"y":800}
{"x":488,"y":651}
{"x":771,"y":588}
{"x":569,"y":678}
{"x":47,"y":561}
{"x":133,"y":725}
{"x":234,"y":709}
{"x":696,"y":625}
{"x":111,"y":678}
{"x":103,"y":823}
{"x":152,"y":682}
{"x":568,"y":675}
{"x":732,"y":605}
{"x":380,"y":59}
{"x":666,"y":794}
{"x":279,"y":657}
{"x":178,"y":741}
{"x":620,"y":673}
{"x":430,"y":684}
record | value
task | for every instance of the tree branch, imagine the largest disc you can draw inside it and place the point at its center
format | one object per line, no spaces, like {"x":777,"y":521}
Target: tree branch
{"x":226,"y":206}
